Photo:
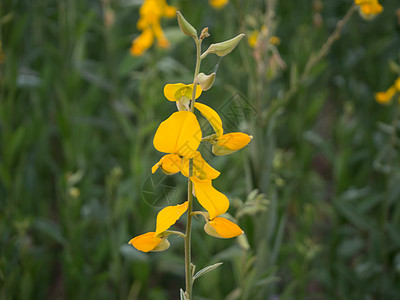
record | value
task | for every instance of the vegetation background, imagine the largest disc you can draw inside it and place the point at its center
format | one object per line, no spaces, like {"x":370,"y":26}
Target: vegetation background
{"x":317,"y":191}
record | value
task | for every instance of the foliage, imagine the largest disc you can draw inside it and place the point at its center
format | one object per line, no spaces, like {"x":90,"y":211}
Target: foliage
{"x":318,"y":200}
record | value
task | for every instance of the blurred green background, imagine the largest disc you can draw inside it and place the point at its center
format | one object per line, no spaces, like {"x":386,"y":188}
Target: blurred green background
{"x":316,"y":192}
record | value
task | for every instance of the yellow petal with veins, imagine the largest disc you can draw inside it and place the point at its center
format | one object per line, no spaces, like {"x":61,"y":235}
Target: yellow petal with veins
{"x":201,"y":169}
{"x":170,"y":164}
{"x":231,"y":142}
{"x":168,"y":216}
{"x":179,"y":134}
{"x":212,"y":117}
{"x":212,"y":200}
{"x":174,"y":92}
{"x":222,"y":228}
{"x":146,"y":242}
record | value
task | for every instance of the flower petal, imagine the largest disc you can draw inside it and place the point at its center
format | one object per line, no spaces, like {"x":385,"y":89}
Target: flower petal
{"x":169,"y":163}
{"x":201,"y":169}
{"x":212,"y":200}
{"x":168,"y":216}
{"x":179,"y":134}
{"x":146,"y":242}
{"x":222,"y":228}
{"x":174,"y":92}
{"x":231,"y":142}
{"x":212,"y":117}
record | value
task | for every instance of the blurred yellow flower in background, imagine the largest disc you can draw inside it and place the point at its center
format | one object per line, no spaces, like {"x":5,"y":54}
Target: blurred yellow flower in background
{"x":386,"y":96}
{"x":218,"y":4}
{"x":149,"y":23}
{"x":255,"y":35}
{"x":369,"y":8}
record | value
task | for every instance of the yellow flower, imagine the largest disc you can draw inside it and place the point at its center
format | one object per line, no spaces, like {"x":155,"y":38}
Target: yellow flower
{"x":218,"y":4}
{"x":211,"y":199}
{"x":369,"y":8}
{"x":231,"y":142}
{"x":216,"y":204}
{"x":157,"y":241}
{"x":181,"y":94}
{"x":223,"y":144}
{"x":149,"y":23}
{"x":180,"y":134}
{"x":222,"y":228}
{"x":386,"y":97}
{"x":255,"y":35}
{"x":274,"y":40}
{"x":173,"y":163}
{"x":252,"y":39}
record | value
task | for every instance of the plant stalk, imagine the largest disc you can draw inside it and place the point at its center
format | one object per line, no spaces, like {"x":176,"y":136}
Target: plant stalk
{"x":188,"y":235}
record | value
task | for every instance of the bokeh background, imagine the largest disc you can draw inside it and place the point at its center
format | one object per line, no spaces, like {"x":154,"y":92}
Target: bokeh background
{"x":316,"y":192}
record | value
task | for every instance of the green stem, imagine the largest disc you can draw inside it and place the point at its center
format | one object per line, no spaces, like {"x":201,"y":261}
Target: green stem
{"x":188,"y":255}
{"x":188,"y":258}
{"x":196,"y":72}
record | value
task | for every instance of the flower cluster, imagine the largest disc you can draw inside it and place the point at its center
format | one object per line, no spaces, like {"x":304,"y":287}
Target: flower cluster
{"x":179,"y":137}
{"x":369,"y":9}
{"x":386,"y":96}
{"x":149,"y":23}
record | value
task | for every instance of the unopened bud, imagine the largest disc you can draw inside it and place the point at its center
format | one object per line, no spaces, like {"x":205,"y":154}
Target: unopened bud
{"x":185,"y":26}
{"x":204,"y":33}
{"x":223,"y":48}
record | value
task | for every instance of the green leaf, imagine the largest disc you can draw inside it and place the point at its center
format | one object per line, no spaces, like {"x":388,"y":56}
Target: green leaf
{"x":206,"y":270}
{"x":185,"y":26}
{"x":183,"y":297}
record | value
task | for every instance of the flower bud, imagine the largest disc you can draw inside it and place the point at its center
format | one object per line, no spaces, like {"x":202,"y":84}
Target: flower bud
{"x":205,"y":81}
{"x":223,"y":48}
{"x":222,"y":228}
{"x":185,"y":26}
{"x":231,"y":142}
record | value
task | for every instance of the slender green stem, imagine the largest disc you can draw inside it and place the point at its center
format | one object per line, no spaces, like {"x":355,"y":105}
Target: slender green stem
{"x":188,"y":250}
{"x":188,"y":258}
{"x":196,"y":72}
